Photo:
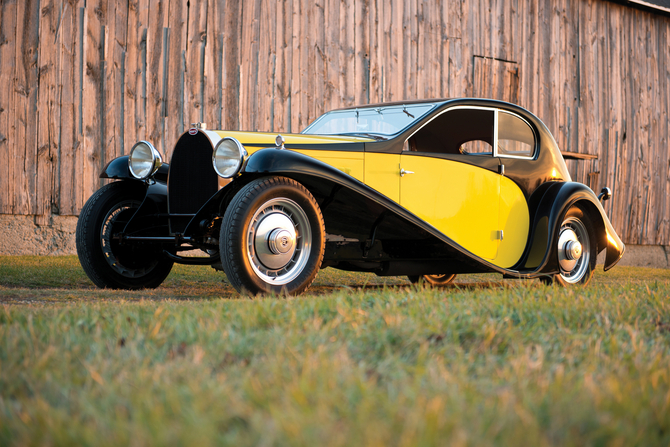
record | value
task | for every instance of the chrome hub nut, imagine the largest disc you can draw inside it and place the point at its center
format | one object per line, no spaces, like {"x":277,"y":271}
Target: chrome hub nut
{"x":281,"y":241}
{"x":573,"y":250}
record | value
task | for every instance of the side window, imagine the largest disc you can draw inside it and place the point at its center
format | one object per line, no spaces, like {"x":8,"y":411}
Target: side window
{"x":457,"y":131}
{"x":515,"y":137}
{"x":476,"y":147}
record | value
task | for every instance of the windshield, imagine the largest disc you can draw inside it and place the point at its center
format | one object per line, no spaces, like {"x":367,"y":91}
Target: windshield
{"x":381,"y":121}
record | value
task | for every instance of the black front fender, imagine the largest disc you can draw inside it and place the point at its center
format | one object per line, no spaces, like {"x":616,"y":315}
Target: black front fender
{"x":554,"y":203}
{"x":146,"y":216}
{"x":118,"y":169}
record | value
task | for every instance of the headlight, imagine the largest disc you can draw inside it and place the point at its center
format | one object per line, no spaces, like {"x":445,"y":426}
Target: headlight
{"x":228,"y":157}
{"x":144,"y":160}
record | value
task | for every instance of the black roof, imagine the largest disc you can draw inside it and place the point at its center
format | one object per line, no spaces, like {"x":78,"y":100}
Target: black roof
{"x":661,"y":6}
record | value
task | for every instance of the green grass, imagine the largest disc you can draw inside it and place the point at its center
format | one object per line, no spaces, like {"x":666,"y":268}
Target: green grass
{"x":360,"y":360}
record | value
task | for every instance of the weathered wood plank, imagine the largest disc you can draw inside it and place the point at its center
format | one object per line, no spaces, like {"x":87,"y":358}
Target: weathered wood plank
{"x":362,"y":51}
{"x":8,"y":62}
{"x":213,"y":93}
{"x":48,"y":111}
{"x":249,"y":66}
{"x":332,"y":90}
{"x":195,"y":62}
{"x":395,"y":89}
{"x":663,"y":232}
{"x":174,"y":110}
{"x":80,"y":164}
{"x":282,"y":74}
{"x":110,"y":78}
{"x":375,"y":51}
{"x":347,"y":56}
{"x":231,"y":66}
{"x":156,"y":72}
{"x":266,"y":65}
{"x":410,"y":41}
{"x":25,"y":159}
{"x":115,"y":78}
{"x":93,"y":154}
{"x":134,"y":123}
{"x":70,"y":88}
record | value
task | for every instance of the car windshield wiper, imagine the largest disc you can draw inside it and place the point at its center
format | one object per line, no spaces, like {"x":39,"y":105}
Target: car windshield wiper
{"x":363,"y":134}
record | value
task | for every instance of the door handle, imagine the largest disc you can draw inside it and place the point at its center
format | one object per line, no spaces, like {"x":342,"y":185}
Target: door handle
{"x":403,"y":172}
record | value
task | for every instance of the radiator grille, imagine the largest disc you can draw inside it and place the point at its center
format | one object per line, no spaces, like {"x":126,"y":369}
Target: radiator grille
{"x":192,"y":179}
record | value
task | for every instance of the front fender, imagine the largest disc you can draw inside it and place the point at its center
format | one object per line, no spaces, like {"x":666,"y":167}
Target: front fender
{"x":553,"y":205}
{"x":146,"y":216}
{"x":118,"y":169}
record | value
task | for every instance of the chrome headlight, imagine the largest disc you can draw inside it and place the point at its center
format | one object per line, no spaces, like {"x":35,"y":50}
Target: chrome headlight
{"x":144,"y":160}
{"x":228,"y":157}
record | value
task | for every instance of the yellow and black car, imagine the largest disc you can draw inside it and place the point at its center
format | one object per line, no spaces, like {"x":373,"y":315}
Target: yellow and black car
{"x":426,"y":189}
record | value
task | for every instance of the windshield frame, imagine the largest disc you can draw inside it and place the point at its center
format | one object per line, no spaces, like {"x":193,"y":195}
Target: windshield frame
{"x":379,"y":108}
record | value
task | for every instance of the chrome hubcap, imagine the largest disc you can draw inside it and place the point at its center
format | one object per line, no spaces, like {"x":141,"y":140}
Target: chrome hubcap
{"x":274,"y":240}
{"x":279,"y":241}
{"x":572,"y":259}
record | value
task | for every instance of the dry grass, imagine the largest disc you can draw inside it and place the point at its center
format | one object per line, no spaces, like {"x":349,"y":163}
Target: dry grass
{"x":359,"y":360}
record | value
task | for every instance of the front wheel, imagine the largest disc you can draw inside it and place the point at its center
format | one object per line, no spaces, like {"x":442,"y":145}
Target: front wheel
{"x":434,"y":280}
{"x":576,"y":249}
{"x":107,"y":262}
{"x":272,"y":237}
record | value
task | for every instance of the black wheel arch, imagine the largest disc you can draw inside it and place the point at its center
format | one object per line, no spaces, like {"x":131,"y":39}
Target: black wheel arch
{"x":548,"y":205}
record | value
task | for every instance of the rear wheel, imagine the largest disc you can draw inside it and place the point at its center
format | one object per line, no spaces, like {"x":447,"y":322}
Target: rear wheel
{"x":576,"y":249}
{"x":272,"y":237}
{"x":434,"y":280}
{"x":107,"y":262}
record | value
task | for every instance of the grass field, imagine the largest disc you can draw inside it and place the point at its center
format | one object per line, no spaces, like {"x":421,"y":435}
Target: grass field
{"x":359,"y":360}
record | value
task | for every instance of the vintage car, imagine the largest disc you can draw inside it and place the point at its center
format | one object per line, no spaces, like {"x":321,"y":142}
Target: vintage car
{"x":424,"y":189}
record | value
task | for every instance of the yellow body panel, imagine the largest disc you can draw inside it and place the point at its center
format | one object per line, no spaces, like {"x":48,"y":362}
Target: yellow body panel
{"x":458,"y":199}
{"x":351,"y":163}
{"x":382,"y":173}
{"x":514,"y":220}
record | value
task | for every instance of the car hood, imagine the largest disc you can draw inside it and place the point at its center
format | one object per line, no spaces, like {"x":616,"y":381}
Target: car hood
{"x":255,"y":140}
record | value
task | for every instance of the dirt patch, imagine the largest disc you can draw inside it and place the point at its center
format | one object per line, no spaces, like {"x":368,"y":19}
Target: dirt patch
{"x":20,"y":235}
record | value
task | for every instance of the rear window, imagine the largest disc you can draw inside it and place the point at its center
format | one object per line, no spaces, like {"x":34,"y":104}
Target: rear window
{"x":515,"y":137}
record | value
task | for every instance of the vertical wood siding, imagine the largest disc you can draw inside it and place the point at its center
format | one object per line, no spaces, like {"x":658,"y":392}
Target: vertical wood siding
{"x":82,"y":80}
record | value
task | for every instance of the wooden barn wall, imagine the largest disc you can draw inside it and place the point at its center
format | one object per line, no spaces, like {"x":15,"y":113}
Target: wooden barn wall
{"x":82,"y":80}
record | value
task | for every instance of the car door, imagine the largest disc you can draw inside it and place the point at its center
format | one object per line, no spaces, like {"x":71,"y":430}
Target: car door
{"x":449,"y":178}
{"x":460,"y":200}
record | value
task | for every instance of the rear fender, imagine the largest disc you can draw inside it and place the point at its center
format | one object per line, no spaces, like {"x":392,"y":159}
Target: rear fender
{"x":553,"y":205}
